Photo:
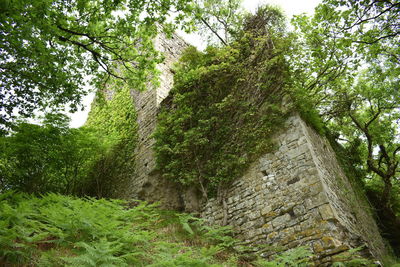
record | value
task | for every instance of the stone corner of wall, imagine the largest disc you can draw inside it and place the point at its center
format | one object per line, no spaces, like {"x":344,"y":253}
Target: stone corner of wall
{"x":291,"y":197}
{"x":350,"y":211}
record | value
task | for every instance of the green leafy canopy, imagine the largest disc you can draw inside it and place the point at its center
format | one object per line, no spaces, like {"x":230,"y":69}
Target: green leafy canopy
{"x":346,"y":63}
{"x":49,"y":157}
{"x":49,"y":48}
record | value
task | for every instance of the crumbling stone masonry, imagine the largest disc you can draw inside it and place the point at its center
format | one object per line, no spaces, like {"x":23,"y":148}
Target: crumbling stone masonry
{"x":297,"y":195}
{"x":146,"y":182}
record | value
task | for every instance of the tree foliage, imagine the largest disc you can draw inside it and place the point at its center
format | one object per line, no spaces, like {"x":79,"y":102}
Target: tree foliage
{"x":219,"y":21}
{"x":344,"y":36}
{"x":96,"y":160}
{"x":347,"y":65}
{"x":47,"y":158}
{"x":49,"y":48}
{"x":350,"y":69}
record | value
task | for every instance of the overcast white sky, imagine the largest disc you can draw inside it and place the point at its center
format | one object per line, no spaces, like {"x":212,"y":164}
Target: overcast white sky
{"x":290,"y":7}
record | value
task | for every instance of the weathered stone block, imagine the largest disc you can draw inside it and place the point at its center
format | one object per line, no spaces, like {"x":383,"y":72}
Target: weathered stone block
{"x":299,"y":210}
{"x":265,"y":210}
{"x":281,"y":221}
{"x":326,"y":212}
{"x":317,"y":200}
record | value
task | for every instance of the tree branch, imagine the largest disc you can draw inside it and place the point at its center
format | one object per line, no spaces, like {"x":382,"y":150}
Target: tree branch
{"x":213,"y":31}
{"x":96,"y":56}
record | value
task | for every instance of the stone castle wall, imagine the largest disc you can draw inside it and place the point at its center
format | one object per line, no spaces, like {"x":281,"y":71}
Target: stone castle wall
{"x":296,"y":196}
{"x":146,"y":182}
{"x":349,"y":205}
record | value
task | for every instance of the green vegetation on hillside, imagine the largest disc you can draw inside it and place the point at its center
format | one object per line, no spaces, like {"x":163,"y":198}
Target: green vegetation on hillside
{"x":56,"y":230}
{"x":95,"y":160}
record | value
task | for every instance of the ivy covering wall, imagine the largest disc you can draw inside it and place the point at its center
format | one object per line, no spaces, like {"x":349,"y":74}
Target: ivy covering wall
{"x":225,"y":106}
{"x":113,"y":116}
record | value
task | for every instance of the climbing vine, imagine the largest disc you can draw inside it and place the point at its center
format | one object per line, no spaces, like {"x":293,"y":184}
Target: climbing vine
{"x":113,"y":113}
{"x":224,"y":107}
{"x":113,"y":116}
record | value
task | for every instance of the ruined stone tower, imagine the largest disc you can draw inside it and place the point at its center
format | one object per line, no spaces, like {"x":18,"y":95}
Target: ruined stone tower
{"x":297,"y":195}
{"x":147,"y":183}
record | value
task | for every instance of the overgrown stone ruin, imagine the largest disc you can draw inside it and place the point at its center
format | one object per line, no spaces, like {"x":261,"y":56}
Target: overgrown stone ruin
{"x":295,"y":196}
